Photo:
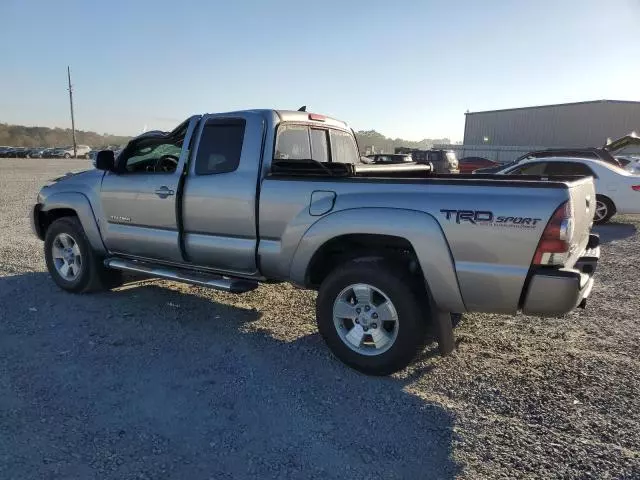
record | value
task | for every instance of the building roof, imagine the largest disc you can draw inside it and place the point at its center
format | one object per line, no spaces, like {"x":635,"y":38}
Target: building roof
{"x":628,"y":102}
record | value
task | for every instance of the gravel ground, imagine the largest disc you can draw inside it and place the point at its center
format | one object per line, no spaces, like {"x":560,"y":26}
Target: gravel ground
{"x":162,"y":380}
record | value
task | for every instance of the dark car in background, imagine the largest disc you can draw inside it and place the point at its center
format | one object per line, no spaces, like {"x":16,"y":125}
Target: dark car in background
{"x":20,"y":152}
{"x":389,"y":158}
{"x":442,"y":161}
{"x":471,"y":164}
{"x":36,"y":152}
{"x":46,"y":153}
{"x":4,"y":151}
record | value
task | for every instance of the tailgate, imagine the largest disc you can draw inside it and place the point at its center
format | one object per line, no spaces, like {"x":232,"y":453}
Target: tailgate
{"x":582,"y":195}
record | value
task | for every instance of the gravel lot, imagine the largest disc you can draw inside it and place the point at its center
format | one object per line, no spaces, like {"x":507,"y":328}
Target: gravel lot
{"x":162,"y":380}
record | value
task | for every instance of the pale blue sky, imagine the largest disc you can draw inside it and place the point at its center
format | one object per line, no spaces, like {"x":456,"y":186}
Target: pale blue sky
{"x":404,"y":68}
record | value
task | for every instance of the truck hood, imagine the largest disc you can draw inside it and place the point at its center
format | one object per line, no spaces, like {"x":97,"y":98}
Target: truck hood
{"x":78,"y":181}
{"x":77,"y":175}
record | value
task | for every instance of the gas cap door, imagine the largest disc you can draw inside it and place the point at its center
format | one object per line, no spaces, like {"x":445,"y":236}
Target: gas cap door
{"x":322,"y":202}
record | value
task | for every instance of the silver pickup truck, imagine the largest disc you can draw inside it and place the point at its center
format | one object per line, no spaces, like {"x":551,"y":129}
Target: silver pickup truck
{"x":233,"y":199}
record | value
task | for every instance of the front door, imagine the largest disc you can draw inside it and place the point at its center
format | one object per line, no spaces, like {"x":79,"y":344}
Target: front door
{"x":219,"y":202}
{"x":139,"y":198}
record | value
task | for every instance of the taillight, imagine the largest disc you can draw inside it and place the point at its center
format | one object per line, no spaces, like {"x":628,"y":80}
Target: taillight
{"x":316,"y":117}
{"x":636,"y":188}
{"x":555,"y":242}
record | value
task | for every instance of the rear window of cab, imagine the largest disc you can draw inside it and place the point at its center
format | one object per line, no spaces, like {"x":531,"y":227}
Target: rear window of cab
{"x":308,"y":142}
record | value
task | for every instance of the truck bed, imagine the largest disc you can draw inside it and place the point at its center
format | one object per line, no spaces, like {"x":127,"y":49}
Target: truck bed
{"x":492,"y":259}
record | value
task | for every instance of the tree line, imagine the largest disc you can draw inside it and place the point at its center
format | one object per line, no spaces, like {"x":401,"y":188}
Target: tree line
{"x":371,"y":140}
{"x":21,"y":136}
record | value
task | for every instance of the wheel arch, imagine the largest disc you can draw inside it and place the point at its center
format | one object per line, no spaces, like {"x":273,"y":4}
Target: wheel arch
{"x":375,"y":231}
{"x":66,"y":204}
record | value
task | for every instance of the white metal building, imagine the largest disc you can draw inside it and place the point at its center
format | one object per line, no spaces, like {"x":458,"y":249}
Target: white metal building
{"x":582,"y":124}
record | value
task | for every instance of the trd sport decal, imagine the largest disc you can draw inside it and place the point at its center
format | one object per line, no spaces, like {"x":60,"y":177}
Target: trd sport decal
{"x":484,"y":217}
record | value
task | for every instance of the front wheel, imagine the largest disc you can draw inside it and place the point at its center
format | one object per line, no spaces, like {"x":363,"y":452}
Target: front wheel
{"x":370,"y":316}
{"x":71,"y":261}
{"x":66,"y":155}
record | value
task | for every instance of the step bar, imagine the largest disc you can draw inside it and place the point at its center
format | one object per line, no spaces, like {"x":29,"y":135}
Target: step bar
{"x":217,"y":282}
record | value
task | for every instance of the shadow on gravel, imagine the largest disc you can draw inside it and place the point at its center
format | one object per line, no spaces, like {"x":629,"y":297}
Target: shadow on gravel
{"x":612,"y":231}
{"x":149,"y":382}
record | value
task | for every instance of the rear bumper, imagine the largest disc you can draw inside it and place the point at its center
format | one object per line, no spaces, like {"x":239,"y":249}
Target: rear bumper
{"x":555,"y":292}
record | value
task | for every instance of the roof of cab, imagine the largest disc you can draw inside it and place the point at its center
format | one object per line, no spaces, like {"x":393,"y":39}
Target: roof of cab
{"x":308,"y":117}
{"x":296,"y":116}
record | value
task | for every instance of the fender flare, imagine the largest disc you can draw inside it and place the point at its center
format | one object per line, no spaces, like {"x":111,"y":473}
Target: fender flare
{"x":80,"y":204}
{"x":421,"y":230}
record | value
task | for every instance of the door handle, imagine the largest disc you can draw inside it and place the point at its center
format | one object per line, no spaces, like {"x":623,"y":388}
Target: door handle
{"x":164,"y":192}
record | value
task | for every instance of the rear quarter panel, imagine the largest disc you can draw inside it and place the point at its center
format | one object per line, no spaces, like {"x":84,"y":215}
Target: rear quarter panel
{"x":491,"y":258}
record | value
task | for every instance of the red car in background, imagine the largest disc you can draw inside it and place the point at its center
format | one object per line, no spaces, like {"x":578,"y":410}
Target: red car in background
{"x":469,"y":164}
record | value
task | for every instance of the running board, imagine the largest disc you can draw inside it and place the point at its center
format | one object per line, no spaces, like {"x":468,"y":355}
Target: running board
{"x":217,"y":282}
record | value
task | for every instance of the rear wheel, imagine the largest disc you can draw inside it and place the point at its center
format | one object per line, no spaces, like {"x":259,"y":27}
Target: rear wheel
{"x":370,"y":316}
{"x":66,"y":155}
{"x":71,"y":261}
{"x":605,"y":209}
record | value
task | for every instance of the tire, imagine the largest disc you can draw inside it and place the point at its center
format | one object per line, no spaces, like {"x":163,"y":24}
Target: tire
{"x":66,"y":155}
{"x":404,"y":341}
{"x":67,"y":236}
{"x":605,"y":209}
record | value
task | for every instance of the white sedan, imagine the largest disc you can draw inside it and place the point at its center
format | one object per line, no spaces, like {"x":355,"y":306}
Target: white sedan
{"x":617,"y":190}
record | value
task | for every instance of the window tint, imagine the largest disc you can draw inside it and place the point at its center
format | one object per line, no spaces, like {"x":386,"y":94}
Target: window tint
{"x":530,"y":169}
{"x":220,"y":147}
{"x":319,"y":145}
{"x":293,"y":143}
{"x":343,"y":147}
{"x":568,"y":168}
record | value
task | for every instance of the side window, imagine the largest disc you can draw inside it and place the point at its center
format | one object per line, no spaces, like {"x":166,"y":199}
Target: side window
{"x":220,"y":147}
{"x":319,"y":145}
{"x":152,"y":155}
{"x":580,"y":169}
{"x":568,"y":168}
{"x":343,"y":147}
{"x":293,"y":143}
{"x":536,"y":168}
{"x":155,"y":152}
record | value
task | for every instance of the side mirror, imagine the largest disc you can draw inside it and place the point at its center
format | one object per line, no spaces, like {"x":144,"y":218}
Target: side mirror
{"x":105,"y":160}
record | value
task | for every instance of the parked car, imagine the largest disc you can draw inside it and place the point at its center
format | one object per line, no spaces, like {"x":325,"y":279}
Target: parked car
{"x":443,"y":161}
{"x":229,"y":200}
{"x":471,"y":164}
{"x":617,"y":190}
{"x":82,"y":151}
{"x":594,"y":153}
{"x":35,"y":152}
{"x":46,"y":153}
{"x":389,"y":158}
{"x":4,"y":151}
{"x":19,"y":152}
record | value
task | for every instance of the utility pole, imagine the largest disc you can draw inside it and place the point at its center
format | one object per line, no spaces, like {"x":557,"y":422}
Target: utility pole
{"x":73,"y":123}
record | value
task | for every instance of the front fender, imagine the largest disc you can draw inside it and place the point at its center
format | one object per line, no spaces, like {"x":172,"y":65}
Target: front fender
{"x":420,"y":229}
{"x":80,"y":204}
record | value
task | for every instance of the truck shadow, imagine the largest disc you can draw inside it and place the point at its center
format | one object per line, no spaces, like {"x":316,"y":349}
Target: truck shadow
{"x":613,"y":231}
{"x":163,"y":378}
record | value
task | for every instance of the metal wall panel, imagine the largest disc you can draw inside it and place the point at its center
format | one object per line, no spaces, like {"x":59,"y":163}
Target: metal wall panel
{"x":586,"y":124}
